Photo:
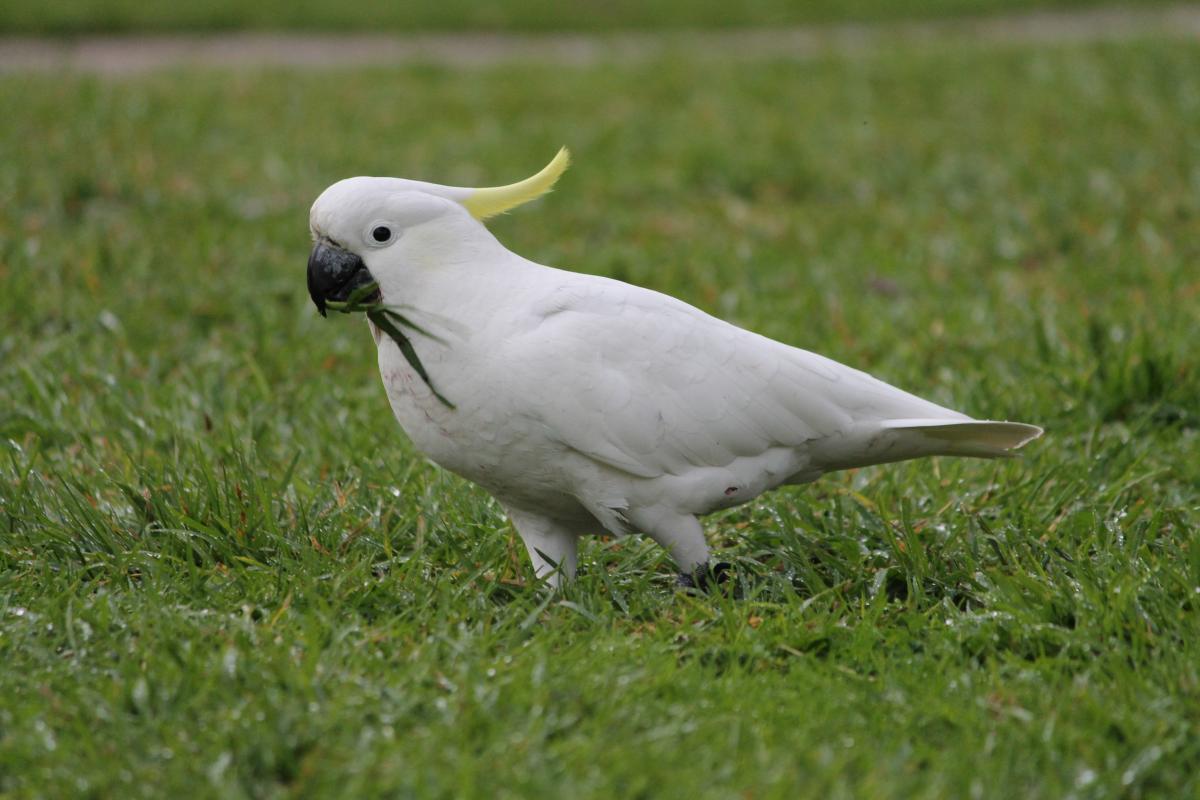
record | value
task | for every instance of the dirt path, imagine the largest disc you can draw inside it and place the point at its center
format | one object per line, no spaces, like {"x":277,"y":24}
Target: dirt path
{"x":119,"y":55}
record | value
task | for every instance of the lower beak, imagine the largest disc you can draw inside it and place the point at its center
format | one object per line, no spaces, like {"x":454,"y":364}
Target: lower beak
{"x":334,"y":273}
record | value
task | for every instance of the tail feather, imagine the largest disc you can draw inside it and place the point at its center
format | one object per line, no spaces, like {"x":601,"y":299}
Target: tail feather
{"x":902,"y":439}
{"x":980,"y":438}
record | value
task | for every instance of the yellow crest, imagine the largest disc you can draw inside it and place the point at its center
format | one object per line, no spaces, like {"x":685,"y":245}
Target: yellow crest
{"x":484,"y":203}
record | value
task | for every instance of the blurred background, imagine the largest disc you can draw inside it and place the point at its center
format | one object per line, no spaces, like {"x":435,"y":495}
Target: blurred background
{"x":89,"y":16}
{"x":223,"y":570}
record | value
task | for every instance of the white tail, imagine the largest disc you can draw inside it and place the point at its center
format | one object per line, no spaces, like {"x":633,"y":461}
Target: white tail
{"x":902,"y":439}
{"x":977,"y":437}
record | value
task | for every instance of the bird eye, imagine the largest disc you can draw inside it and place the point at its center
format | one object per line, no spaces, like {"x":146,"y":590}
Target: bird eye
{"x":381,"y":233}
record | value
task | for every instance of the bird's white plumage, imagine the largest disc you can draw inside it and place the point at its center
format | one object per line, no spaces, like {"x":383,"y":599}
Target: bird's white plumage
{"x":586,"y":404}
{"x":672,"y":389}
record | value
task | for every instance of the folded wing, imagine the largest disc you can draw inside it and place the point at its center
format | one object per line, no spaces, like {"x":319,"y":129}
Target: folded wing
{"x":651,"y":386}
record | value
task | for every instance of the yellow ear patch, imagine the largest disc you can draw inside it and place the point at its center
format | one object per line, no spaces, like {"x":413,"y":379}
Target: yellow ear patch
{"x":484,"y":203}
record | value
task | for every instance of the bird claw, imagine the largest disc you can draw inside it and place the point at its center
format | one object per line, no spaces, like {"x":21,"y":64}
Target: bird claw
{"x":705,"y":576}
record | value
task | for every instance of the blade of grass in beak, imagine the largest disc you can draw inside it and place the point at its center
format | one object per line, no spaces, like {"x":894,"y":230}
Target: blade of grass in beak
{"x":354,"y":301}
{"x":383,"y":318}
{"x":380,"y":318}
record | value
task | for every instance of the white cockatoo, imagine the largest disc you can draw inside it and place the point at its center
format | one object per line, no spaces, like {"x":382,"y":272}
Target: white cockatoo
{"x":584,"y":404}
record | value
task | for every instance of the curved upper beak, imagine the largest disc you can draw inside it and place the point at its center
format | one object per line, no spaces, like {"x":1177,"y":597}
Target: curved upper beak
{"x":334,"y":273}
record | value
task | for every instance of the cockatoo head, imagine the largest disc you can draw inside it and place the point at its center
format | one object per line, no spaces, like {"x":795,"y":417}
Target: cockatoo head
{"x":366,"y":229}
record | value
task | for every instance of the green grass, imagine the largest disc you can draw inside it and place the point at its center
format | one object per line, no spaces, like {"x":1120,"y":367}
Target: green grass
{"x":224,"y":573}
{"x":83,"y":16}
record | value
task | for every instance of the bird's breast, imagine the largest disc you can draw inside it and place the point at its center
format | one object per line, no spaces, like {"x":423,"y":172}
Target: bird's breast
{"x":480,"y":438}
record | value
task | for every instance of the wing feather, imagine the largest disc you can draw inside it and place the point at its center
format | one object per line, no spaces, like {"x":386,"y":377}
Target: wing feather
{"x":650,"y":386}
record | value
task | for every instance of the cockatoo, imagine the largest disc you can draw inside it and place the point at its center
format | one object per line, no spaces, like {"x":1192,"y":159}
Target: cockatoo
{"x":587,"y":405}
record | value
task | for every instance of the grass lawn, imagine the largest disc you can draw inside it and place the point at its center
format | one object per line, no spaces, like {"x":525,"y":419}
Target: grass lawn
{"x":87,"y":16}
{"x":224,"y":573}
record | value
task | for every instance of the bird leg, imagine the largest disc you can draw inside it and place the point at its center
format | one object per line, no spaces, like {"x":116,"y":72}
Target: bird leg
{"x":683,"y":537}
{"x":551,"y":546}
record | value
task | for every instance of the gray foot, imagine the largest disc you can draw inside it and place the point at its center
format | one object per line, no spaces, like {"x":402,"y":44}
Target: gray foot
{"x":705,"y":576}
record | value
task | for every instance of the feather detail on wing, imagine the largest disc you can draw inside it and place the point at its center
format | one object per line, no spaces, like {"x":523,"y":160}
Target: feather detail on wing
{"x":649,"y":385}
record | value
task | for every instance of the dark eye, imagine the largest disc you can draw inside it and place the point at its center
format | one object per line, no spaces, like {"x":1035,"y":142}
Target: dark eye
{"x":381,"y":233}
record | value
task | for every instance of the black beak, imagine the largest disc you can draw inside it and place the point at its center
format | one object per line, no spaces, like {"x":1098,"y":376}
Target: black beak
{"x":334,"y":273}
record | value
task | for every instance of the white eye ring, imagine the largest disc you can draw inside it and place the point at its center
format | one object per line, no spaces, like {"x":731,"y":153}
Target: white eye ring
{"x":380,"y":234}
